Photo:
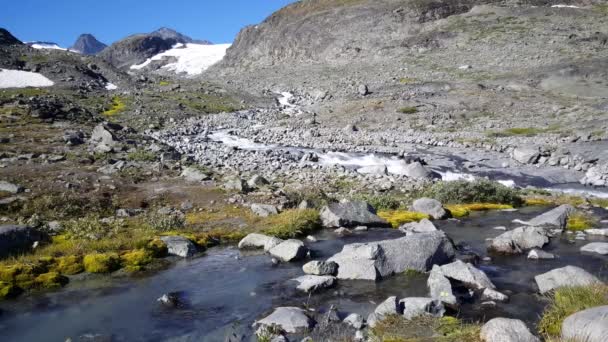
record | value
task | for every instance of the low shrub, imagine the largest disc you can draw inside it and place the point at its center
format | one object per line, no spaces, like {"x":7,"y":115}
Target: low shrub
{"x":292,"y":223}
{"x":479,"y":191}
{"x":568,"y":300}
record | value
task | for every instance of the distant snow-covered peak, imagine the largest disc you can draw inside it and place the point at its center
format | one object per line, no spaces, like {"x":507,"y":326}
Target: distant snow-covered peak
{"x":191,"y":59}
{"x":45,"y":45}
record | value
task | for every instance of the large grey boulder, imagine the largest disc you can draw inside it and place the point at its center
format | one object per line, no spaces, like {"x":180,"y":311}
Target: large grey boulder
{"x":179,"y":246}
{"x":103,"y":139}
{"x":420,"y":306}
{"x":310,"y":283}
{"x":520,"y":239}
{"x":526,"y":155}
{"x":589,"y":325}
{"x":468,"y":275}
{"x":429,"y":206}
{"x":18,"y":238}
{"x":557,"y":217}
{"x":192,"y":174}
{"x":375,"y":260}
{"x":264,"y":210}
{"x":254,"y":240}
{"x":290,"y":319}
{"x":416,"y":170}
{"x":320,"y":268}
{"x":354,"y":320}
{"x":506,"y":330}
{"x":440,"y":287}
{"x":565,"y":276}
{"x":10,"y":187}
{"x":424,"y":226}
{"x":390,"y":306}
{"x":596,"y":247}
{"x":289,"y":250}
{"x":351,"y":214}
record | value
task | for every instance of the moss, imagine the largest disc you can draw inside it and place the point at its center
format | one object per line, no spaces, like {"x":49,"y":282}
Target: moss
{"x":462,"y":210}
{"x":408,"y":110}
{"x":580,"y":221}
{"x":69,"y":265}
{"x":292,"y":223}
{"x":479,"y":191}
{"x":118,"y":106}
{"x":164,"y":83}
{"x":135,"y":260}
{"x":157,"y":248}
{"x":398,"y":217}
{"x":101,"y":262}
{"x":50,"y":280}
{"x":9,"y":290}
{"x":568,"y":300}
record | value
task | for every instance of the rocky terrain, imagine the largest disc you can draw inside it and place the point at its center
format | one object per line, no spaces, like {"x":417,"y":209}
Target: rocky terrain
{"x":394,"y":170}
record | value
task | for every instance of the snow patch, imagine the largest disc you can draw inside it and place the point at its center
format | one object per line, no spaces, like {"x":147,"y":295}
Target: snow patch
{"x":111,"y":86}
{"x":50,"y":46}
{"x":22,"y":79}
{"x":564,"y":6}
{"x":192,"y":59}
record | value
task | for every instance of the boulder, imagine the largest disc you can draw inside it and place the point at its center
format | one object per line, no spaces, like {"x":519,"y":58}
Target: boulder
{"x":256,"y":182}
{"x":351,"y":214}
{"x":493,"y":295}
{"x":10,"y":187}
{"x":290,"y":319}
{"x":264,"y":210}
{"x":520,"y":239}
{"x":557,"y":217}
{"x":596,"y":247}
{"x":598,"y":231}
{"x":537,"y":254}
{"x":311,"y":283}
{"x":419,"y":306}
{"x":373,"y":170}
{"x":362,"y":90}
{"x":429,"y":206}
{"x":468,"y":275}
{"x":565,"y":276}
{"x":253,"y":241}
{"x":589,"y":325}
{"x":440,"y":287}
{"x":416,"y":170}
{"x":375,"y":260}
{"x":179,"y":246}
{"x":354,"y":320}
{"x":289,"y":250}
{"x":238,"y":185}
{"x":18,"y":238}
{"x":192,"y":174}
{"x":506,"y":330}
{"x":424,"y":226}
{"x":526,"y":155}
{"x":390,"y":306}
{"x":320,"y":268}
{"x":103,"y":139}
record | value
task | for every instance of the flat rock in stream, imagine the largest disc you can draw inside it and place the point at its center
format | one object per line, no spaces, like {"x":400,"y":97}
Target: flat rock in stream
{"x":179,"y":246}
{"x":429,"y":206}
{"x":320,"y":268}
{"x":519,"y":239}
{"x":557,"y":217}
{"x":424,"y":226}
{"x":254,"y":240}
{"x":375,"y":260}
{"x":351,"y":214}
{"x":310,"y":283}
{"x":289,"y":250}
{"x":468,"y":275}
{"x":506,"y":330}
{"x":596,"y":247}
{"x":589,"y":325}
{"x":290,"y":319}
{"x":565,"y":276}
{"x":538,"y":254}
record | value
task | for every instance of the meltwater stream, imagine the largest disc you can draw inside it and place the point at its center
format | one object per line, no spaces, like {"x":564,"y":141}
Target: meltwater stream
{"x":227,"y":290}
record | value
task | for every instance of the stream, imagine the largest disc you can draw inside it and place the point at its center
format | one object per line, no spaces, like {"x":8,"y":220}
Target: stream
{"x":226,"y":290}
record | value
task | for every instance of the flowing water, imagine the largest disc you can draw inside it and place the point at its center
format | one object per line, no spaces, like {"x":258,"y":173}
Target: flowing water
{"x":226,"y":290}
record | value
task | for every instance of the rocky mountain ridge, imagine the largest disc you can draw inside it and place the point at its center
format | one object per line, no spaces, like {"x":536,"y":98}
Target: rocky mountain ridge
{"x":87,"y":44}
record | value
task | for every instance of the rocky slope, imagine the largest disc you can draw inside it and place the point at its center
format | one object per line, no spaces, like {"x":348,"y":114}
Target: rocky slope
{"x":87,"y":44}
{"x":6,"y":38}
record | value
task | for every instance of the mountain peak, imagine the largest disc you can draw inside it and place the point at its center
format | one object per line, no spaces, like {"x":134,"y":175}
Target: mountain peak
{"x":169,"y":33}
{"x":6,"y":38}
{"x":87,"y":44}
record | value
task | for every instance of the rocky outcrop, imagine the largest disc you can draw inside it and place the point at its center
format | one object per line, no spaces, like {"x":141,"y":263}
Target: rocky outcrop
{"x":565,"y":276}
{"x":375,"y":260}
{"x":506,"y":330}
{"x":351,"y":214}
{"x":589,"y":325}
{"x":6,"y":38}
{"x":87,"y":44}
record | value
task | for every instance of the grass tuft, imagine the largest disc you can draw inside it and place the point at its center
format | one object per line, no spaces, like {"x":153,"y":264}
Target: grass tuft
{"x":396,"y":328}
{"x":292,"y":223}
{"x":580,"y":221}
{"x":567,"y":301}
{"x":408,"y":110}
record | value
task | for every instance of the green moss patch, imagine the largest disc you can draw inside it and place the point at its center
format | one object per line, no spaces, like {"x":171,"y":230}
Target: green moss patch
{"x":101,"y":262}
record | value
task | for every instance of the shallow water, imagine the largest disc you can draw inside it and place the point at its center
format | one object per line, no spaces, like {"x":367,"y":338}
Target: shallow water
{"x":227,"y":291}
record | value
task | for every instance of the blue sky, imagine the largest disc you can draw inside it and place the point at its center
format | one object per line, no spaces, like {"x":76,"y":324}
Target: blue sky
{"x":61,"y":21}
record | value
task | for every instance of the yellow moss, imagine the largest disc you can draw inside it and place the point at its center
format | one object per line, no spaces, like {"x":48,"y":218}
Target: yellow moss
{"x":50,"y":280}
{"x":118,"y":105}
{"x":101,"y":262}
{"x":462,"y":210}
{"x":537,"y":201}
{"x":398,"y":217}
{"x":555,"y":200}
{"x":157,"y":247}
{"x":8,"y":290}
{"x":135,"y":260}
{"x":69,"y":265}
{"x":580,"y":221}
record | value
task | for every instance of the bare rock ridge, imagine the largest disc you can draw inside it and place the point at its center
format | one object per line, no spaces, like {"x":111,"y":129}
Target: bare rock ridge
{"x":87,"y":44}
{"x":6,"y":38}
